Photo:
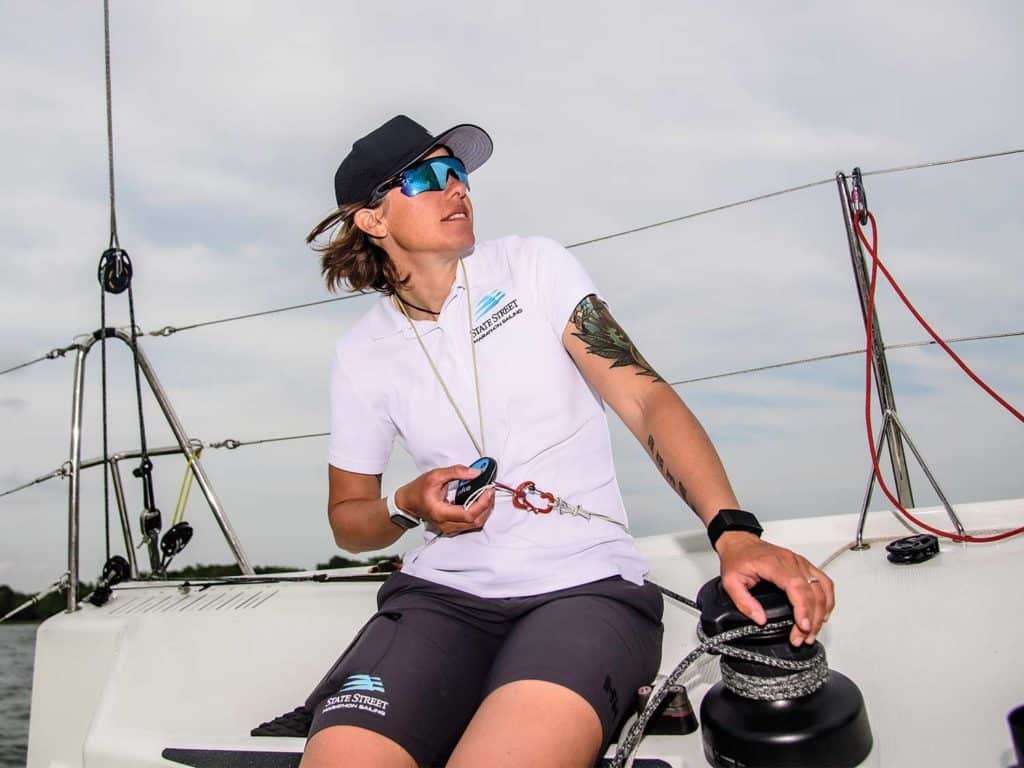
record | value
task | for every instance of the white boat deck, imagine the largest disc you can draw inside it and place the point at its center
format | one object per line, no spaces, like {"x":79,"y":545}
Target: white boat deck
{"x":931,"y":647}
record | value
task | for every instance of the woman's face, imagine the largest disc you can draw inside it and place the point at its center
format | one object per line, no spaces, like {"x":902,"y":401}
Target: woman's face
{"x":438,"y":221}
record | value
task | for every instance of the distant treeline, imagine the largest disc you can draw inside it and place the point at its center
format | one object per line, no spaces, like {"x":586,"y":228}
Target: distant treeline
{"x":57,"y":602}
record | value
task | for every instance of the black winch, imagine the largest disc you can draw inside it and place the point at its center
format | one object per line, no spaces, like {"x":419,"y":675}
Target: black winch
{"x":802,"y":715}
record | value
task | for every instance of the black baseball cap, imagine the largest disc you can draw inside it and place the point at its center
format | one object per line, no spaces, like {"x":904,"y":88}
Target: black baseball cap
{"x":400,"y":142}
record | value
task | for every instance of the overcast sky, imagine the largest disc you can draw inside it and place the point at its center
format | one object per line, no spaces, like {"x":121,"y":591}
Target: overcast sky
{"x":231,"y":117}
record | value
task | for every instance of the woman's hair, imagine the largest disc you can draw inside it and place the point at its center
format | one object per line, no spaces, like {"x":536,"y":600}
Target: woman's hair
{"x":350,"y":255}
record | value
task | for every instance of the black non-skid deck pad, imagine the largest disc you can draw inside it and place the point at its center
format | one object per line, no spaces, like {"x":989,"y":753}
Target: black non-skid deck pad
{"x":239,"y":758}
{"x":232,"y":758}
{"x":294,"y":723}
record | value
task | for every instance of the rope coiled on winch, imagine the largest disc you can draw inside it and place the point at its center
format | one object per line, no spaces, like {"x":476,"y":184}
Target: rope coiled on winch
{"x":807,"y":677}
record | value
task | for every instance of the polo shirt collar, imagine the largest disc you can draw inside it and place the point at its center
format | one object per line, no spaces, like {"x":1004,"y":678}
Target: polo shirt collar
{"x":395,"y":322}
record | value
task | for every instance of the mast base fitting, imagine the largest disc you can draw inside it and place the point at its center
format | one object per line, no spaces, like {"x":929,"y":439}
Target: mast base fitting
{"x":913,"y":549}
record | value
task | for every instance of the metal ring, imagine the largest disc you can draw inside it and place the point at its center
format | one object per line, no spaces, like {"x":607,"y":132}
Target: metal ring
{"x":813,"y":580}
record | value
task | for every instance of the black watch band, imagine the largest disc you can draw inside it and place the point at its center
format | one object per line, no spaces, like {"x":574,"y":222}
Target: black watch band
{"x":732,"y":520}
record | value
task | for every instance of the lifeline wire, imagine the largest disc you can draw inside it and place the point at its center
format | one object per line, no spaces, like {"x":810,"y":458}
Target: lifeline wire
{"x":848,"y":353}
{"x":231,"y":443}
{"x":168,"y":330}
{"x":61,"y":471}
{"x":62,"y":583}
{"x":53,"y":354}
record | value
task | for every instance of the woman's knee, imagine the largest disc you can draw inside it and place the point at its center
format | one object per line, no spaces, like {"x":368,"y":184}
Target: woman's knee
{"x":353,"y":747}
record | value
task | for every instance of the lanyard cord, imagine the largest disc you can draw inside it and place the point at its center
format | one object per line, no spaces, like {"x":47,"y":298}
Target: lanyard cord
{"x":476,"y":376}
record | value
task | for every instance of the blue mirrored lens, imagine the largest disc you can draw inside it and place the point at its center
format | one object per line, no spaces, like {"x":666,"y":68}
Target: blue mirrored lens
{"x":432,"y":175}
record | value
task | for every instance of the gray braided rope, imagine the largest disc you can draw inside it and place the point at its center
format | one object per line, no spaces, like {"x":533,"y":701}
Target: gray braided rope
{"x":808,"y":676}
{"x":792,"y":686}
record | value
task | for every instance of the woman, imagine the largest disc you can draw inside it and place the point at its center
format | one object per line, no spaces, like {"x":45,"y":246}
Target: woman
{"x":512,"y":636}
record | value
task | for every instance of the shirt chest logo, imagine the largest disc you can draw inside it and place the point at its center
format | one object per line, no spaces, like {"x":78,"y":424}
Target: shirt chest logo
{"x":492,"y":312}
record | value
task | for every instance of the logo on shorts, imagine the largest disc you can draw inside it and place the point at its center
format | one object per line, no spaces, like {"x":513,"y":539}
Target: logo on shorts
{"x":370,"y":683}
{"x":349,"y":696}
{"x":488,"y":302}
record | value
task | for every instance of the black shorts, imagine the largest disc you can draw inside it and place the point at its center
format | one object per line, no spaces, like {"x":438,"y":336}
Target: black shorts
{"x":422,"y":664}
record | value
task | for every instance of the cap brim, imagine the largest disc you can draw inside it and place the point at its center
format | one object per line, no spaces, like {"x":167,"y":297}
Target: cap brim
{"x":469,"y":143}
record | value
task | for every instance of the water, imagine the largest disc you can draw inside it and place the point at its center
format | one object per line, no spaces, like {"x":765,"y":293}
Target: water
{"x":17,"y":648}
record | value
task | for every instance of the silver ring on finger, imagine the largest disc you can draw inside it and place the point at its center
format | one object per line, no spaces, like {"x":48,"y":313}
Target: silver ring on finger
{"x":813,"y":580}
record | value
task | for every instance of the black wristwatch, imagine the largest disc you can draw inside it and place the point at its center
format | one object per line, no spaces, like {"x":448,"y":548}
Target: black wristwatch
{"x":732,"y":520}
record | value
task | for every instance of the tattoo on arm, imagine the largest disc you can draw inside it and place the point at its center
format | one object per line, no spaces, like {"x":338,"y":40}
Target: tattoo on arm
{"x":604,"y":337}
{"x":676,"y":485}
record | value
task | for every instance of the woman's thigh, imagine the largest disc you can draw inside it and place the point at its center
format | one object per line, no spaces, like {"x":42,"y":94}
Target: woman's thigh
{"x":413,"y":677}
{"x":596,"y":645}
{"x":531,"y":723}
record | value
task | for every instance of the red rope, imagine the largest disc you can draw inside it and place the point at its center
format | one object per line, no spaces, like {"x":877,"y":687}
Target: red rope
{"x":876,"y":265}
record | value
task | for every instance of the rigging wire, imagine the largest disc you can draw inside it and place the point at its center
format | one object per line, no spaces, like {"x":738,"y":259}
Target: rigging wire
{"x":835,"y":355}
{"x":704,"y":212}
{"x":168,"y":330}
{"x":53,"y":354}
{"x":789,"y":190}
{"x":62,"y":471}
{"x":936,"y":163}
{"x":58,"y":586}
{"x":232,"y":443}
{"x":114,"y":242}
{"x":115,"y":276}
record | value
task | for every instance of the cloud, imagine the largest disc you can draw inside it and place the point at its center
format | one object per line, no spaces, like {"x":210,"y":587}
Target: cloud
{"x":230,"y":120}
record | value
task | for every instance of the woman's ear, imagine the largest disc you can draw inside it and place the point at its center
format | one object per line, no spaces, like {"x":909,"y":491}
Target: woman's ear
{"x":369,"y":220}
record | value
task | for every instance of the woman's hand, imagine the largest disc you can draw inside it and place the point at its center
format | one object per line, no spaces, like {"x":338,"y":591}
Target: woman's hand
{"x":746,"y":560}
{"x":426,"y":498}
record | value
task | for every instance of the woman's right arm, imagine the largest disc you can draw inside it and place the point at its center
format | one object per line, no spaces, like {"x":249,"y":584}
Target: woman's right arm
{"x":359,"y":516}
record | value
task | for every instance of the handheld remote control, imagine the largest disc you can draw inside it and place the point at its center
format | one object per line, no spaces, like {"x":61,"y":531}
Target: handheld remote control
{"x":488,"y":471}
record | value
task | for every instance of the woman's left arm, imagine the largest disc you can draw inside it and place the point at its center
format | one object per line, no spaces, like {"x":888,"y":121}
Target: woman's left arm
{"x":684,"y":455}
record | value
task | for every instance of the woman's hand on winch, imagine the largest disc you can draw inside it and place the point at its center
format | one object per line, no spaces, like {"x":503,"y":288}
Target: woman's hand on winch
{"x":426,"y":497}
{"x":745,"y":560}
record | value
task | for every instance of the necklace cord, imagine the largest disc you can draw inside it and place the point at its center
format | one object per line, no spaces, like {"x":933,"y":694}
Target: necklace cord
{"x":437,"y":374}
{"x":424,"y":310}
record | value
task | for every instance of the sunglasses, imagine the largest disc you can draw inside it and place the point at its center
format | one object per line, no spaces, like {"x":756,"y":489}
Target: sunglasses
{"x":426,"y":176}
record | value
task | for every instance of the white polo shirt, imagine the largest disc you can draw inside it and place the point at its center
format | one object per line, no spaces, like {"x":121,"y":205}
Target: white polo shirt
{"x":542,"y":420}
